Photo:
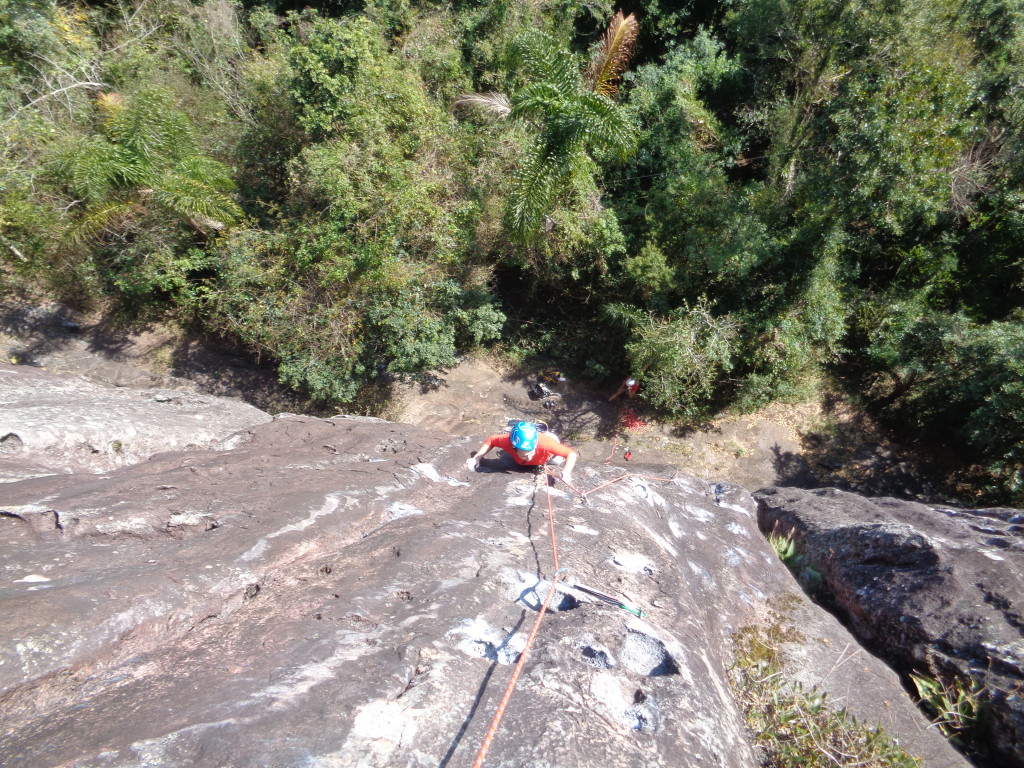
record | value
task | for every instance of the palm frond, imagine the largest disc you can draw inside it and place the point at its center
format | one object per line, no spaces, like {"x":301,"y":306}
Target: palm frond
{"x":193,"y":198}
{"x":533,"y":185}
{"x":607,"y":126}
{"x":496,"y":104}
{"x":541,"y":100}
{"x":91,"y":165}
{"x":546,"y":61}
{"x":148,"y":125}
{"x":107,"y":216}
{"x":613,"y":57}
{"x":206,"y":170}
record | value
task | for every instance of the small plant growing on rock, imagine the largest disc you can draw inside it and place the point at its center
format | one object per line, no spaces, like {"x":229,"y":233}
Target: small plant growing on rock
{"x":810,"y":579}
{"x":958,"y":708}
{"x":785,"y":548}
{"x":793,"y":726}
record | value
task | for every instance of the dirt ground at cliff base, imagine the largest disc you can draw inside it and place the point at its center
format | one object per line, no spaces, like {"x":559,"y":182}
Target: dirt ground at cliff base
{"x":808,"y":444}
{"x":820,"y":442}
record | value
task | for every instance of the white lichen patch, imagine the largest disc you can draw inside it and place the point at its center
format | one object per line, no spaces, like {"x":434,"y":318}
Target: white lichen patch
{"x":608,"y":500}
{"x":648,"y":494}
{"x":661,"y":541}
{"x":296,"y":684}
{"x":698,"y":513}
{"x":736,"y":529}
{"x":256,"y":550}
{"x":733,"y":558}
{"x":330,"y":504}
{"x":677,"y":529}
{"x":689,"y":485}
{"x":169,"y":748}
{"x":32,"y":577}
{"x":397,"y":510}
{"x":380,"y":729}
{"x":521,"y":487}
{"x":526,"y":590}
{"x":702,"y":573}
{"x":480,"y":640}
{"x":736,"y":508}
{"x":26,"y":510}
{"x":584,"y":529}
{"x":618,"y":703}
{"x":132,"y":525}
{"x":188,"y":519}
{"x":991,"y":555}
{"x":389,"y":720}
{"x":632,"y":562}
{"x":429,"y":471}
{"x":386,"y":491}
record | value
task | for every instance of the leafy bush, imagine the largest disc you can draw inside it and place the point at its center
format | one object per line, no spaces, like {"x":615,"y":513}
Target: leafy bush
{"x":683,"y":359}
{"x":947,"y":376}
{"x":147,"y":154}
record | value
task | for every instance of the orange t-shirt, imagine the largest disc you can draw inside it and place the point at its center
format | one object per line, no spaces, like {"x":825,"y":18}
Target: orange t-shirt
{"x":547,"y":446}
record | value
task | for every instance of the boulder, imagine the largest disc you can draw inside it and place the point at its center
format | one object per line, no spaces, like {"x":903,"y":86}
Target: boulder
{"x":344,"y":592}
{"x":932,"y":589}
{"x":52,"y":423}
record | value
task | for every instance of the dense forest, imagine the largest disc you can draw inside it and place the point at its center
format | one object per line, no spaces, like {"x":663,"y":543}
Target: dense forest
{"x":733,"y":199}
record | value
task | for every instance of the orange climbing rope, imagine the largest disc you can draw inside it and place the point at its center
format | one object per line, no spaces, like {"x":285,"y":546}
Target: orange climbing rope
{"x":489,"y":737}
{"x":584,"y":494}
{"x":496,"y":720}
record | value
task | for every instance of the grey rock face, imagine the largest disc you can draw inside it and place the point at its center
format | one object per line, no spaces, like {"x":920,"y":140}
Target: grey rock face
{"x":342,"y":592}
{"x":52,"y":423}
{"x":926,"y":587}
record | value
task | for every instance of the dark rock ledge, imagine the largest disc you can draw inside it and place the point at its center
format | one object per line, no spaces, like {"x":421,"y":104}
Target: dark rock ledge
{"x":930,"y":589}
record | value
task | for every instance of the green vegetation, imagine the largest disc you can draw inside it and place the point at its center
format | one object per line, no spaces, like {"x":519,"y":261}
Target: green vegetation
{"x":796,"y":727}
{"x":809,"y":578}
{"x":958,"y":708}
{"x":728,"y":199}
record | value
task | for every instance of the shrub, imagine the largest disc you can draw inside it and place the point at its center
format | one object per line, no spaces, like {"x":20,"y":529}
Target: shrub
{"x":683,"y":358}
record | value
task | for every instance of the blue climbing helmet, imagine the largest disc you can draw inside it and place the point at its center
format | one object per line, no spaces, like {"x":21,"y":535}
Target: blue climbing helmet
{"x":524,"y":436}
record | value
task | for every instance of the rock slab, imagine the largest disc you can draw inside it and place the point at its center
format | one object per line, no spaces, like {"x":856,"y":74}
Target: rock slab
{"x":932,"y":589}
{"x":343,"y":592}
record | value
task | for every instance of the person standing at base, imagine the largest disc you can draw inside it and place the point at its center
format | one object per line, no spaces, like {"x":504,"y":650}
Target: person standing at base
{"x":527,"y":447}
{"x":627,"y":388}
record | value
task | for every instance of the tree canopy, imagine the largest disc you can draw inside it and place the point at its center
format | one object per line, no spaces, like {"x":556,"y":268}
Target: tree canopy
{"x":742,"y":197}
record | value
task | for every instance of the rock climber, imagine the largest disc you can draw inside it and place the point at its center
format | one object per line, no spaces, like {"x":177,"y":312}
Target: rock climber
{"x":529,"y":447}
{"x":627,"y":387}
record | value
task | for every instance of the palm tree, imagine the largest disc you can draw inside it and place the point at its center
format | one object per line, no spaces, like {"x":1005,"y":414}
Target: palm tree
{"x":147,"y":156}
{"x":573,"y":114}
